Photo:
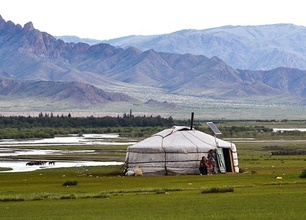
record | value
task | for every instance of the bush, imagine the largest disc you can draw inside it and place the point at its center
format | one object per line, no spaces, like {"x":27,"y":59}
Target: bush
{"x":303,"y":174}
{"x":70,"y":183}
{"x":68,"y":197}
{"x":218,"y":190}
{"x":11,"y":199}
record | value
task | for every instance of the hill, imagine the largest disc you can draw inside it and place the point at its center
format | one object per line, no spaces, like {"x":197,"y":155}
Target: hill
{"x":75,"y":93}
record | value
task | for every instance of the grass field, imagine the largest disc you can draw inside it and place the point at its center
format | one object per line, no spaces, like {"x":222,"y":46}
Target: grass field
{"x":270,"y":188}
{"x":41,"y":194}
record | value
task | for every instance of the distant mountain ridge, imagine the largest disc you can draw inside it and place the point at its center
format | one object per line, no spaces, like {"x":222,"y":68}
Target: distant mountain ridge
{"x":71,"y":92}
{"x":26,"y":54}
{"x":262,"y":47}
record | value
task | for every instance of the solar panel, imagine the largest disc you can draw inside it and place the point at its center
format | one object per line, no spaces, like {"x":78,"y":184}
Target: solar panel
{"x":214,"y":128}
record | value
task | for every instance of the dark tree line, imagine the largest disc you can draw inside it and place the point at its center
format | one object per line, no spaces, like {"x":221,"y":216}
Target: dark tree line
{"x":86,"y":122}
{"x":48,"y":126}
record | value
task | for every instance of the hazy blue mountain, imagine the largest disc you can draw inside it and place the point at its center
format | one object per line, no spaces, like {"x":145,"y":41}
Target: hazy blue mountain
{"x":76,"y":39}
{"x":242,"y":47}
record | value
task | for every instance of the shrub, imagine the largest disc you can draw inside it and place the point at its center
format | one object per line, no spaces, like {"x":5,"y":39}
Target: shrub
{"x":161,"y":192}
{"x":68,"y":197}
{"x":11,"y":199}
{"x":218,"y":190}
{"x":100,"y":196}
{"x":70,"y":183}
{"x":303,"y":174}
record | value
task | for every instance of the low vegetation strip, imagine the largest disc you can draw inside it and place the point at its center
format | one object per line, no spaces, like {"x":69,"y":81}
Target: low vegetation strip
{"x":218,"y":190}
{"x":5,"y":169}
{"x":104,"y":194}
{"x":133,"y":191}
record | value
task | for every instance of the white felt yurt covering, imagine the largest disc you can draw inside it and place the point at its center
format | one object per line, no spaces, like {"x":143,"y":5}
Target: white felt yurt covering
{"x":177,"y":150}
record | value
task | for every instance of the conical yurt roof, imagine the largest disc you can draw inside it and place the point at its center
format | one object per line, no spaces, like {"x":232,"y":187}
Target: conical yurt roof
{"x":180,"y":138}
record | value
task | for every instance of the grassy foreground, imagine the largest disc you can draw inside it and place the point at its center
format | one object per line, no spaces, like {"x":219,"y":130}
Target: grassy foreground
{"x":270,"y":188}
{"x":41,"y":194}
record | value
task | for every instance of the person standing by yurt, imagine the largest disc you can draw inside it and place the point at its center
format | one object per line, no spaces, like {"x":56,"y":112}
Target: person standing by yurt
{"x":203,"y":166}
{"x":212,"y":162}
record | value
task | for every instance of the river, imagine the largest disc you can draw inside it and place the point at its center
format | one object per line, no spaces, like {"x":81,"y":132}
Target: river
{"x":9,"y":149}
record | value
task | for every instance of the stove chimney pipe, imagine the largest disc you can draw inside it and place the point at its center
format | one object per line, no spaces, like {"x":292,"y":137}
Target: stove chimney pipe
{"x":191,"y":121}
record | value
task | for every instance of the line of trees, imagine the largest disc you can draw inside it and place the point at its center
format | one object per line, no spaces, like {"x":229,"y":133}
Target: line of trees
{"x":87,"y":122}
{"x":48,"y":126}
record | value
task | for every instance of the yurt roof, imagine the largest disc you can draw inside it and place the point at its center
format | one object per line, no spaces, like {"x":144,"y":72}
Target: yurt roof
{"x":179,"y":138}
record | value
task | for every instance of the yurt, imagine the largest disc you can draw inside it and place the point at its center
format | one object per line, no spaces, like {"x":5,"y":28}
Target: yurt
{"x":178,"y":151}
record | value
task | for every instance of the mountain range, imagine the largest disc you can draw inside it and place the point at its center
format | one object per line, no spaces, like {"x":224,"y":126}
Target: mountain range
{"x":35,"y":63}
{"x":262,"y":47}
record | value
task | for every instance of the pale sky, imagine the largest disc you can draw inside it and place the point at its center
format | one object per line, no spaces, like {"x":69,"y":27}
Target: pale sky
{"x":107,"y":19}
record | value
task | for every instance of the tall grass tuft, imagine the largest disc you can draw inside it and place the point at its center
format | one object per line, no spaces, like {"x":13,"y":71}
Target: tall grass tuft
{"x":303,"y":174}
{"x":70,"y":183}
{"x":11,"y":199}
{"x":72,"y":196}
{"x":218,"y":190}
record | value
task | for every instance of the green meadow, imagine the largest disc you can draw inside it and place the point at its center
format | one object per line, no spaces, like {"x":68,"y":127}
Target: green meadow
{"x":41,"y":194}
{"x":269,"y":187}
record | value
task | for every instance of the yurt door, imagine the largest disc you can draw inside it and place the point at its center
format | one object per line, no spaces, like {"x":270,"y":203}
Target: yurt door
{"x":220,"y":159}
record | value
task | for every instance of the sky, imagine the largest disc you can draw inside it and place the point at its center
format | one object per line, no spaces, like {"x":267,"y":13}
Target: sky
{"x":108,"y":19}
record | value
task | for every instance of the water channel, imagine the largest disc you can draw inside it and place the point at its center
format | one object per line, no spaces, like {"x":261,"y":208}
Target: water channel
{"x":10,"y":148}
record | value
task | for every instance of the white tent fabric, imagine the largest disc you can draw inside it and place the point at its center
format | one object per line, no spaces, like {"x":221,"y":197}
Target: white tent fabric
{"x":177,"y":150}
